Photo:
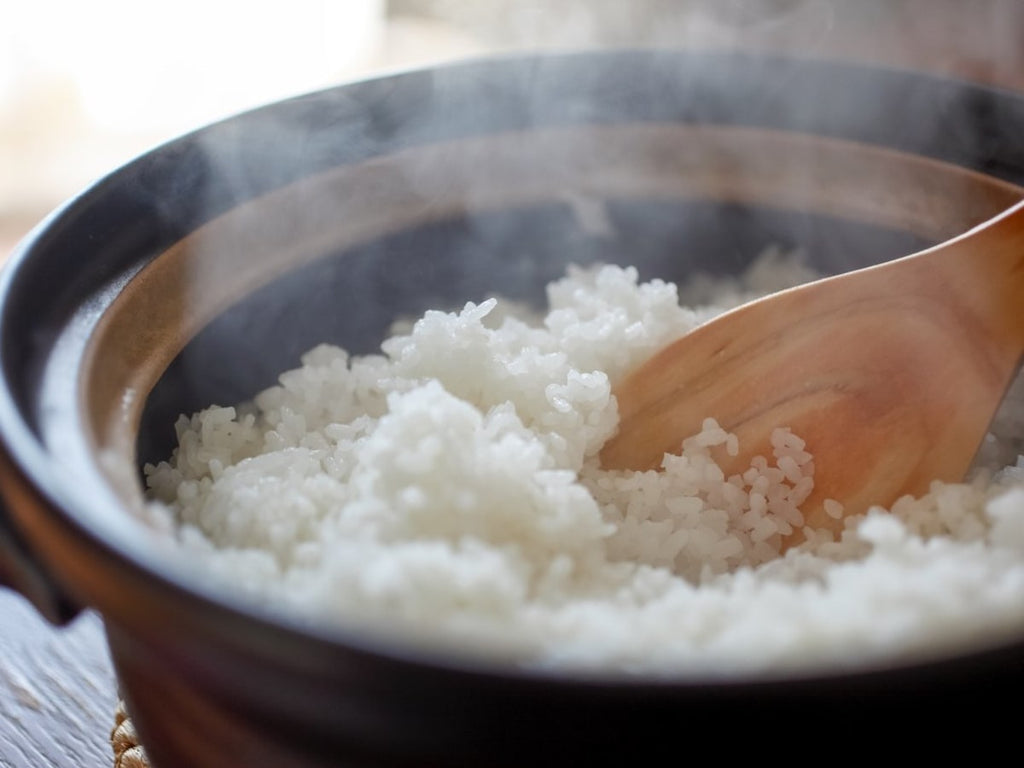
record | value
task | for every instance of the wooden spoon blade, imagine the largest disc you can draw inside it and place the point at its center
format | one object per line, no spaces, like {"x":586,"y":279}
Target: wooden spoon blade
{"x":891,"y":387}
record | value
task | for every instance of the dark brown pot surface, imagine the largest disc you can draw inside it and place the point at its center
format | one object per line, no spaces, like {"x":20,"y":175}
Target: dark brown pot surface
{"x":200,"y":271}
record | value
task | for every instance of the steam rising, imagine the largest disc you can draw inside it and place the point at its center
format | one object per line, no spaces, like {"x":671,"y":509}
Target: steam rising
{"x":570,"y":24}
{"x":699,"y":65}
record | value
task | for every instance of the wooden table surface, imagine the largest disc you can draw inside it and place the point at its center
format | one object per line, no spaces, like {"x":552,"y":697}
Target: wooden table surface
{"x":58,"y":693}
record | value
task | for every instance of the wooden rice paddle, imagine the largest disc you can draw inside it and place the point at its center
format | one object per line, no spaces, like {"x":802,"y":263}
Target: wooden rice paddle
{"x":892,"y":374}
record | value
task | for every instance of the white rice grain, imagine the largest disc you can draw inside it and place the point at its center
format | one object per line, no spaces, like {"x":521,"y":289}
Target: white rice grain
{"x":448,"y":490}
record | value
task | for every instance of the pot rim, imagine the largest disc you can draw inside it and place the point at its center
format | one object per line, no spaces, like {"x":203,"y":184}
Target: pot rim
{"x":78,"y":505}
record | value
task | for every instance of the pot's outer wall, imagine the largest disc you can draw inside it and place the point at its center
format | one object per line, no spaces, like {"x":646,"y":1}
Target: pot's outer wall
{"x":212,"y":686}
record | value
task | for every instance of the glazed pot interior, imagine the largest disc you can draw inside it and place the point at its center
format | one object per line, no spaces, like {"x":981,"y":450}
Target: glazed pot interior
{"x":339,"y":256}
{"x":199,"y":273}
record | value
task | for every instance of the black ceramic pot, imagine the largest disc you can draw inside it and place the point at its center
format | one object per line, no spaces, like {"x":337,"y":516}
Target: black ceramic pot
{"x":201,"y":270}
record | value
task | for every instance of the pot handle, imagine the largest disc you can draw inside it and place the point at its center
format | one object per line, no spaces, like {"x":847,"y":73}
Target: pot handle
{"x":19,"y":568}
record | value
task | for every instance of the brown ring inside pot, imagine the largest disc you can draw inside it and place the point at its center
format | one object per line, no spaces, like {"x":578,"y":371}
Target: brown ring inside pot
{"x":170,"y":300}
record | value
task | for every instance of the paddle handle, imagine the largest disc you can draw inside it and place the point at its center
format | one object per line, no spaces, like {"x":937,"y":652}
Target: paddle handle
{"x":983,"y":270}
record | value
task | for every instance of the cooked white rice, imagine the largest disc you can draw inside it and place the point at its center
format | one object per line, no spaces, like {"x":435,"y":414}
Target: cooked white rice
{"x":447,"y":492}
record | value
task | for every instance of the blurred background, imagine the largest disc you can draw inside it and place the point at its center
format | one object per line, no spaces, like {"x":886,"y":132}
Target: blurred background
{"x":85,"y":85}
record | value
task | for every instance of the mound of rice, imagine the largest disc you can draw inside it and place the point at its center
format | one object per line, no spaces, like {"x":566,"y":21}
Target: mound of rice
{"x":447,"y":492}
